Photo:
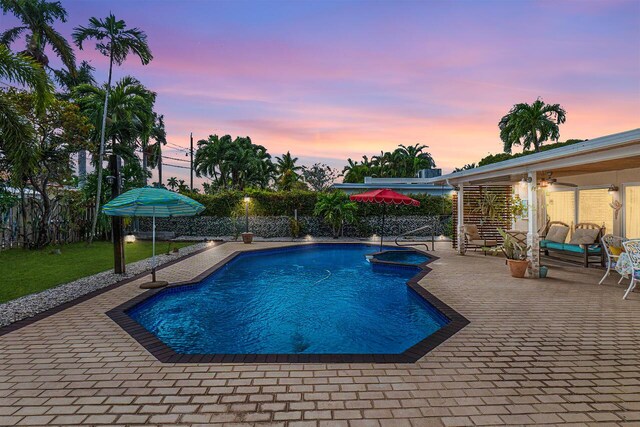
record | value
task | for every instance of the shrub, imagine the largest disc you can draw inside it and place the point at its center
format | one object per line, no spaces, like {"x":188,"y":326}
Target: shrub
{"x":283,"y":203}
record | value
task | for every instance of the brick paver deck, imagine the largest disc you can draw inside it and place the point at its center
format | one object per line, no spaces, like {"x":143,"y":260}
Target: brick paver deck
{"x":558,"y":350}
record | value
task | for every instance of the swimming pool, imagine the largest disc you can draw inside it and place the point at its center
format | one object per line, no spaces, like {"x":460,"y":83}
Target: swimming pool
{"x":312,"y":299}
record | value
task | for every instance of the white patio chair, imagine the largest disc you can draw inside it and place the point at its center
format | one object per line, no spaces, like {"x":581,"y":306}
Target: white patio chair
{"x":632,"y":248}
{"x":609,"y":240}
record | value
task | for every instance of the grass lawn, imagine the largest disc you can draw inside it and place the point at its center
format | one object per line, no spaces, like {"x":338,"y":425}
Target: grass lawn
{"x":25,"y":272}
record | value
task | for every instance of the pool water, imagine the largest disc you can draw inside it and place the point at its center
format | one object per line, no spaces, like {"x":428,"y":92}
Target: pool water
{"x":318,"y":299}
{"x":405,"y":257}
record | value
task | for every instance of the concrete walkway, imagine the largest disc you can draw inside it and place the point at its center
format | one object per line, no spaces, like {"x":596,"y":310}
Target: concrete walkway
{"x":558,"y":350}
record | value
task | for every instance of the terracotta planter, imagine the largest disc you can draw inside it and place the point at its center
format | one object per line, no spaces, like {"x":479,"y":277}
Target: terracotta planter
{"x":247,"y":238}
{"x":518,"y":267}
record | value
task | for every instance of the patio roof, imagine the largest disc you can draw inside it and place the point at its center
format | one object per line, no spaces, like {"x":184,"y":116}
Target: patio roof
{"x":612,"y":152}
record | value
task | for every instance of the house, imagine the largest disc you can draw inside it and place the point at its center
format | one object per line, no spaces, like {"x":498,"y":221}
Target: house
{"x":418,"y":185}
{"x":596,"y":181}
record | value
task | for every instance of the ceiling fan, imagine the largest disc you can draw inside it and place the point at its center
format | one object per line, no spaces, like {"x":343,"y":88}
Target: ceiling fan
{"x":549,"y":181}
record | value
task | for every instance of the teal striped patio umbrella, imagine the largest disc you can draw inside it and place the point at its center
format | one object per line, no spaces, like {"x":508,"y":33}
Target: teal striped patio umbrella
{"x":153,"y":202}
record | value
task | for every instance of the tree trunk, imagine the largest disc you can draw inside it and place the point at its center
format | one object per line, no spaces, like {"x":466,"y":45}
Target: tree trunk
{"x":144,"y":168}
{"x":94,"y":223}
{"x":23,"y":211}
{"x":160,"y":165}
{"x":82,"y":168}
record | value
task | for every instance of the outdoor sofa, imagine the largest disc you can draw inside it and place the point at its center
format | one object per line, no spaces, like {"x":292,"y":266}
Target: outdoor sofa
{"x":584,"y":245}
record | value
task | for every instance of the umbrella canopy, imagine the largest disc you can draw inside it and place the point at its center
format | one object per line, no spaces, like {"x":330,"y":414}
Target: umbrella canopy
{"x":151,"y":201}
{"x":386,"y":196}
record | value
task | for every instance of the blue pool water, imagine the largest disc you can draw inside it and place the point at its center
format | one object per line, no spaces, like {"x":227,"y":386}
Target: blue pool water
{"x":321,"y":299}
{"x":405,"y":257}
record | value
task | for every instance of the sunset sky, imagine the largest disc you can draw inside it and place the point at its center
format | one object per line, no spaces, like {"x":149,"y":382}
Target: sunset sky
{"x":334,"y":79}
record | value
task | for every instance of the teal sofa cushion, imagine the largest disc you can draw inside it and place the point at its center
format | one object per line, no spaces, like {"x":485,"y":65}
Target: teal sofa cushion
{"x":555,"y":245}
{"x":568,"y":247}
{"x":573,"y":248}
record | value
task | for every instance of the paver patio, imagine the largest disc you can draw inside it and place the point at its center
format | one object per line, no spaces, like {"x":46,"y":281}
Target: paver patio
{"x":558,"y":350}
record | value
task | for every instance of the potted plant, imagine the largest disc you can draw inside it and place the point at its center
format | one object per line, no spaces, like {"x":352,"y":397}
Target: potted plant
{"x":515,"y":254}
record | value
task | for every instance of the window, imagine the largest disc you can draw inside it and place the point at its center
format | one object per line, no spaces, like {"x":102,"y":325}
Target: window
{"x":632,"y":211}
{"x":593,"y":206}
{"x":561,"y":206}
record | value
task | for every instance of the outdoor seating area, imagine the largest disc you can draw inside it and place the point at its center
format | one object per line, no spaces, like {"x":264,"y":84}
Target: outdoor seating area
{"x":583,"y":242}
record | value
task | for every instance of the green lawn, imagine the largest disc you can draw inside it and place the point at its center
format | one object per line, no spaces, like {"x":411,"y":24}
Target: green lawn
{"x":25,"y":272}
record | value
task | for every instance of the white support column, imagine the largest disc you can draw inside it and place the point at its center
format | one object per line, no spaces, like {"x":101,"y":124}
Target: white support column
{"x":533,"y":240}
{"x":460,"y":225}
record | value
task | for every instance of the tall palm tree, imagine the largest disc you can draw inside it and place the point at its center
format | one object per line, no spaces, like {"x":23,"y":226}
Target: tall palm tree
{"x":116,"y":41}
{"x":152,"y":151}
{"x":531,"y":125}
{"x":287,"y":171}
{"x":68,"y":81}
{"x":37,"y":17}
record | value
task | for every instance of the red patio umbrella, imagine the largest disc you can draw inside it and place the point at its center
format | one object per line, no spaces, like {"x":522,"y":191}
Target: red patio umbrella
{"x":386,"y":197}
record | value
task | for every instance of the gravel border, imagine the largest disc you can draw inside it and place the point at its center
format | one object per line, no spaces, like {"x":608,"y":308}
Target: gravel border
{"x":33,"y":304}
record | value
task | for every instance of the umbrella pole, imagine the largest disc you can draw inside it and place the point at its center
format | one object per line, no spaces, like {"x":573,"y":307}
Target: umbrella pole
{"x":384,"y":211}
{"x":153,"y":248}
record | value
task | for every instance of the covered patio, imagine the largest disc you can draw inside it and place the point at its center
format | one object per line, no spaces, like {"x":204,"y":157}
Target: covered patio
{"x":592,"y":182}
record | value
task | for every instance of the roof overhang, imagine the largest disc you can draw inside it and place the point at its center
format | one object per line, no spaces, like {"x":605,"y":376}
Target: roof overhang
{"x":613,"y":152}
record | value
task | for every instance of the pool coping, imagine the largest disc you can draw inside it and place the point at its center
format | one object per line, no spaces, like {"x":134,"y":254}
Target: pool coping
{"x":166,"y":354}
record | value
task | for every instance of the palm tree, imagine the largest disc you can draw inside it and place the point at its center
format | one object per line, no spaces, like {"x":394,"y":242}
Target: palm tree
{"x":414,"y":158}
{"x":172,"y":183}
{"x":14,"y":127}
{"x":336,"y":208}
{"x":531,"y":125}
{"x":37,"y":17}
{"x":152,"y":152}
{"x":115,"y":41}
{"x":68,"y":81}
{"x":287,"y":171}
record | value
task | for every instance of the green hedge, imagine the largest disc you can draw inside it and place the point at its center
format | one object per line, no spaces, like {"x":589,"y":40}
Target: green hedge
{"x":277,"y":203}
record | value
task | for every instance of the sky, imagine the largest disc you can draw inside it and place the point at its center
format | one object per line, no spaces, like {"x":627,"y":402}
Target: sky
{"x":328,"y":80}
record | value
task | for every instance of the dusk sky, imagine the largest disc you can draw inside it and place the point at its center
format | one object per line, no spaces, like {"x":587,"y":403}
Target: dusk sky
{"x":334,"y":79}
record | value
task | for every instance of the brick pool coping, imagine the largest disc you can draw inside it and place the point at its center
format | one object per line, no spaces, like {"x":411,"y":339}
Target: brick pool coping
{"x":50,"y":312}
{"x":166,"y":354}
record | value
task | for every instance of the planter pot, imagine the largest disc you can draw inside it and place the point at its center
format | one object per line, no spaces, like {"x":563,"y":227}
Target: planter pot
{"x":518,"y":267}
{"x":247,"y":238}
{"x":543,"y":271}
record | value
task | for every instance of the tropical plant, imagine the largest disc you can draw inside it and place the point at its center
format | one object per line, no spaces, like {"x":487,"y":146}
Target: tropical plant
{"x":287,"y":172}
{"x":336,"y":209}
{"x":403,"y":162}
{"x":68,"y":81}
{"x":45,"y":158}
{"x":38,"y":17}
{"x":15,"y":128}
{"x":511,"y":248}
{"x":116,"y":41}
{"x":233,"y":164}
{"x":530,"y":125}
{"x":172,"y":182}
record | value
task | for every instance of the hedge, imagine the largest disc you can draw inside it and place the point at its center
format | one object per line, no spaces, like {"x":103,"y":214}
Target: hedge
{"x":276,"y":203}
